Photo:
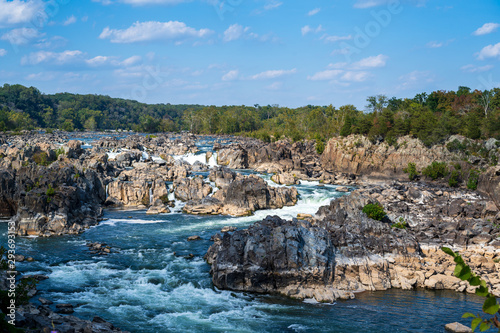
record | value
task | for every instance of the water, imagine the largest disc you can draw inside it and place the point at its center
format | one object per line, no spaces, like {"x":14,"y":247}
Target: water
{"x":151,"y":284}
{"x":157,"y":281}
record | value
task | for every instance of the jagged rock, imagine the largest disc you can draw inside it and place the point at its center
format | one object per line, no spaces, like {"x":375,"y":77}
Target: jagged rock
{"x":286,"y":178}
{"x":191,"y":189}
{"x":228,"y":229}
{"x":275,"y":256}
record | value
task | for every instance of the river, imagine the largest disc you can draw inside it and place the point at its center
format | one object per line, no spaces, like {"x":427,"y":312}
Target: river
{"x":150,"y":283}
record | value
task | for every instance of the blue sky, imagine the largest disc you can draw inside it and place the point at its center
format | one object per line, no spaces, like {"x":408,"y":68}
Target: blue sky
{"x":246,"y":52}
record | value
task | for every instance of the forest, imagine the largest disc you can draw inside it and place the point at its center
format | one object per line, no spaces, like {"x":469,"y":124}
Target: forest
{"x":430,"y":117}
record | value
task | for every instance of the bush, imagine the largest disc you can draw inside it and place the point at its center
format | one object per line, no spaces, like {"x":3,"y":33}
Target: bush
{"x":401,"y":224}
{"x":454,"y":177}
{"x":50,"y":191}
{"x":436,"y":170}
{"x":473,"y":179}
{"x":320,"y":147}
{"x":456,"y":146}
{"x":374,"y":211}
{"x":411,"y":170}
{"x":41,"y":158}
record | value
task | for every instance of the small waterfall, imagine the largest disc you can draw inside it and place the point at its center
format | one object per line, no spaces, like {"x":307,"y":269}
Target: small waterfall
{"x":151,"y":196}
{"x":107,"y":191}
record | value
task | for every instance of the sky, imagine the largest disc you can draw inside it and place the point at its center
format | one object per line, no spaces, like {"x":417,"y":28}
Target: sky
{"x":247,"y":52}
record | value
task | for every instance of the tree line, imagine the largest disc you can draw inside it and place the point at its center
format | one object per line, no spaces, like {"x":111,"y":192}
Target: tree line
{"x":430,"y":117}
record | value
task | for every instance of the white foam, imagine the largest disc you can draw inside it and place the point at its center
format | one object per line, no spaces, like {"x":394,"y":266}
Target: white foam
{"x":193,"y":158}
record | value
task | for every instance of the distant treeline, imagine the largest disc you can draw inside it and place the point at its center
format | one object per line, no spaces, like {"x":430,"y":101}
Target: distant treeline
{"x":430,"y":117}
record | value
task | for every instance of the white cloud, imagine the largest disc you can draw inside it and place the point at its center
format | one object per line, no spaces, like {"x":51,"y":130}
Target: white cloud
{"x":70,"y":20}
{"x":476,"y":69}
{"x":21,"y":36}
{"x":307,"y":29}
{"x":231,"y":75}
{"x":372,"y":62}
{"x":60,"y":58}
{"x":76,"y":57}
{"x":328,"y":74}
{"x":314,"y":11}
{"x":272,"y":74}
{"x":487,"y":28}
{"x":490,"y":51}
{"x":332,"y":39}
{"x":355,"y":76}
{"x":434,"y":45}
{"x":18,"y":11}
{"x":3,"y":52}
{"x":234,"y":32}
{"x":149,"y":31}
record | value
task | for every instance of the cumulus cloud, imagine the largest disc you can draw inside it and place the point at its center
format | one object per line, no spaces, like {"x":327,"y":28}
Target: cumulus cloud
{"x":151,"y":31}
{"x":490,"y":51}
{"x":231,"y":75}
{"x":21,"y":36}
{"x":17,"y":12}
{"x":314,"y":11}
{"x":487,"y":28}
{"x":272,"y":74}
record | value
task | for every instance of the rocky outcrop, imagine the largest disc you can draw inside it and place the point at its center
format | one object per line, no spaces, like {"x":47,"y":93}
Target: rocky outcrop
{"x":366,"y":254}
{"x":186,"y":189}
{"x":241,"y":196}
{"x":300,"y":158}
{"x":56,"y":200}
{"x":357,"y":155}
{"x":294,"y":259}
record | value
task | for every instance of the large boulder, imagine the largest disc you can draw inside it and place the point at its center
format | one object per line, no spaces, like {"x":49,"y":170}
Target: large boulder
{"x":274,"y":255}
{"x":186,"y":189}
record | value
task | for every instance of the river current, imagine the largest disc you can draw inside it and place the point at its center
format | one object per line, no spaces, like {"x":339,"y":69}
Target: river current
{"x":156,"y":281}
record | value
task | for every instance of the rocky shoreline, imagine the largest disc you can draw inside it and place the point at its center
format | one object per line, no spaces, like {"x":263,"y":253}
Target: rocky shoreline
{"x":51,"y":186}
{"x":341,"y":251}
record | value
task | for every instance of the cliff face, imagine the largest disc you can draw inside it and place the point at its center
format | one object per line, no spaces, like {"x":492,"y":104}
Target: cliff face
{"x":357,"y":155}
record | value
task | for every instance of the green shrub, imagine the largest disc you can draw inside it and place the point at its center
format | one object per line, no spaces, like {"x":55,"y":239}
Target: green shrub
{"x":473,"y":179}
{"x":454,"y":177}
{"x":320,"y":147}
{"x":374,"y":211}
{"x":401,"y":224}
{"x":60,"y":151}
{"x":456,"y":146}
{"x":436,"y":170}
{"x":411,"y":170}
{"x":50,"y":191}
{"x":41,"y":158}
